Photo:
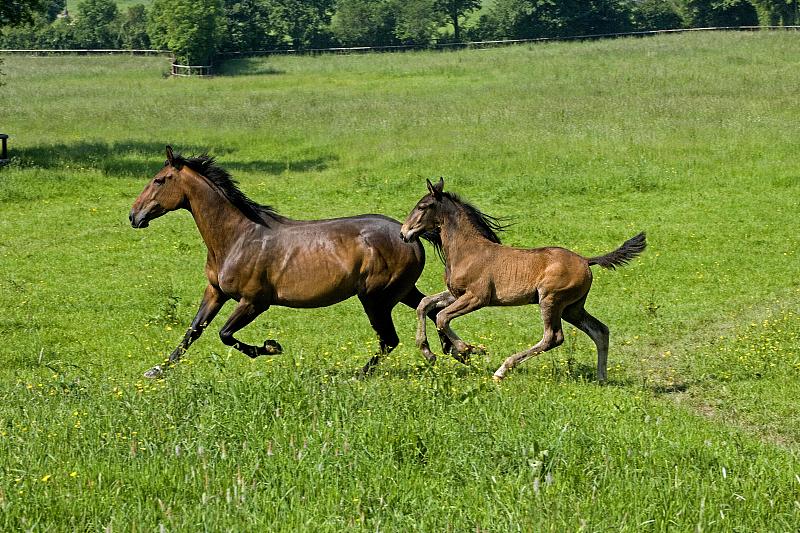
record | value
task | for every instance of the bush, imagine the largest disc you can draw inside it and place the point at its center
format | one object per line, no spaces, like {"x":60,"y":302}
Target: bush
{"x":189,"y":29}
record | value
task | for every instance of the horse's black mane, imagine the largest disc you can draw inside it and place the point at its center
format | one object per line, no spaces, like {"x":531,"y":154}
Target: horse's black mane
{"x":206,"y":166}
{"x":487,"y":225}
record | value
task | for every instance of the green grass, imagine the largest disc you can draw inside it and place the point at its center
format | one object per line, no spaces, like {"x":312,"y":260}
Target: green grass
{"x":689,"y":137}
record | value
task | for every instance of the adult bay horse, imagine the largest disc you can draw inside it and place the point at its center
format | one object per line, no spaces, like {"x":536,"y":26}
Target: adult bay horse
{"x":259,"y":258}
{"x":480,"y":272}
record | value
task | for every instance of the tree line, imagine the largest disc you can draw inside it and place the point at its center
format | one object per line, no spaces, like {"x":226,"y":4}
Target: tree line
{"x":196,"y":31}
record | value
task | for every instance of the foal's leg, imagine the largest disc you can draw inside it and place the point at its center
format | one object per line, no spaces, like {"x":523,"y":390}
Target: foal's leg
{"x":429,"y":305}
{"x":576,"y":315}
{"x":213,"y":300}
{"x":413,"y":300}
{"x":245,"y":313}
{"x":380,"y":318}
{"x":466,"y":303}
{"x":553,"y":336}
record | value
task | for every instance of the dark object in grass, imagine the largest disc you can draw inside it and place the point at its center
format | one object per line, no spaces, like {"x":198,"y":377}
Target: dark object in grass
{"x":260,"y":258}
{"x":481,"y":272}
{"x":3,"y":148}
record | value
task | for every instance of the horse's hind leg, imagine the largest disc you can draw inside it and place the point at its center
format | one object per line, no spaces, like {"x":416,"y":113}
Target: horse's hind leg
{"x":552,"y":337}
{"x":245,"y":313}
{"x":576,"y":315}
{"x":380,"y":318}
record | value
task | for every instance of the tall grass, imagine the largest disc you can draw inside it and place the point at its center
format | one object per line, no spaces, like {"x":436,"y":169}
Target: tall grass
{"x":690,"y":137}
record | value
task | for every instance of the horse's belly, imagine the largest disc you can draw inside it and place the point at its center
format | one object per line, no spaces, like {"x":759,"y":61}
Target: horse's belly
{"x":311,"y":289}
{"x":515,"y":296}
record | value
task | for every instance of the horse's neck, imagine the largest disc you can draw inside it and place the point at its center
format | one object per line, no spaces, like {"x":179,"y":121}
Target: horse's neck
{"x":459,"y":237}
{"x":220,"y":222}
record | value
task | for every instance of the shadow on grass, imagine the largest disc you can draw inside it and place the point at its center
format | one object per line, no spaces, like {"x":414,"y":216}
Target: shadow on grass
{"x":144,"y":159}
{"x":246,"y":67}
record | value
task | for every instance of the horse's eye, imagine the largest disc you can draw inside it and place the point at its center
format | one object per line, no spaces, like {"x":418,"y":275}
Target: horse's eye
{"x":158,"y":181}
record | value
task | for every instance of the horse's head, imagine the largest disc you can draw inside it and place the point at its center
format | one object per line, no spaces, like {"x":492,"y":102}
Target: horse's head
{"x":426,"y":215}
{"x":163,"y":194}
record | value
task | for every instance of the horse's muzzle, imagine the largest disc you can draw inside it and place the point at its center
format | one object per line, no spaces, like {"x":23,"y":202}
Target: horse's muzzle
{"x":138,"y":220}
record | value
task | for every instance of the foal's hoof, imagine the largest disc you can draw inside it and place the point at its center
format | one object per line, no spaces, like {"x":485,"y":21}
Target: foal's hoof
{"x":466,"y":354}
{"x":272,"y":347}
{"x":155,"y":373}
{"x":497,"y":379}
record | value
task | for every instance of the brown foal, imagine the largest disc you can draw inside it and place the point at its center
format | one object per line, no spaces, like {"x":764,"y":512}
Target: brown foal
{"x":480,"y":272}
{"x":259,"y":258}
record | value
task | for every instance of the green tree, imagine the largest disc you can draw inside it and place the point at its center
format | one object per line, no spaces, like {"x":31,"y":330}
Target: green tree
{"x":705,"y":13}
{"x":190,"y":29}
{"x":416,"y":20}
{"x":250,"y":25}
{"x":304,"y":21}
{"x":95,"y":24}
{"x":455,"y":10}
{"x":55,"y":8}
{"x":133,"y":28}
{"x":656,"y":15}
{"x":364,"y":23}
{"x":16,"y":12}
{"x":778,"y":12}
{"x":524,"y":19}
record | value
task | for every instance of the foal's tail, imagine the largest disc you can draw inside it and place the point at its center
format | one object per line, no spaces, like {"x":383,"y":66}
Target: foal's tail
{"x":622,"y":255}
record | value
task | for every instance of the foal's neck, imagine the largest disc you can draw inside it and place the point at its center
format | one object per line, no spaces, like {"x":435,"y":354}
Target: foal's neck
{"x":459,"y":236}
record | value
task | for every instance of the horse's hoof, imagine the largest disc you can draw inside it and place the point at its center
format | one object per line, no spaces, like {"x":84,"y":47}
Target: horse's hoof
{"x":462,"y":357}
{"x":471,"y":349}
{"x":272,"y":347}
{"x":155,"y":373}
{"x":430,"y":359}
{"x":497,"y":379}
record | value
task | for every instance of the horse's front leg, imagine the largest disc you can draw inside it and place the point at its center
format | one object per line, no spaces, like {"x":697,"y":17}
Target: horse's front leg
{"x":213,"y":300}
{"x":426,"y":305}
{"x":245,"y":312}
{"x":466,"y":303}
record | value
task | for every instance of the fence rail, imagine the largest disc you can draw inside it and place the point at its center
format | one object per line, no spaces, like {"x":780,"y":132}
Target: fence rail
{"x":82,"y":51}
{"x":191,"y":70}
{"x":405,"y":47}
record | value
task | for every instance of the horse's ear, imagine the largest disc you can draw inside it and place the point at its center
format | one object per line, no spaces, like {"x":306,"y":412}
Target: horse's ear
{"x":436,"y":190}
{"x":170,"y":155}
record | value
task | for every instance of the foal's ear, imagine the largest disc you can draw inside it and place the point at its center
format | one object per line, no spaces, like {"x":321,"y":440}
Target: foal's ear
{"x":436,"y":190}
{"x":170,"y":155}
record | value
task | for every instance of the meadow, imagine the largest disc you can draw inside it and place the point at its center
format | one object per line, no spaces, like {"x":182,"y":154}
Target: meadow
{"x":691,"y":138}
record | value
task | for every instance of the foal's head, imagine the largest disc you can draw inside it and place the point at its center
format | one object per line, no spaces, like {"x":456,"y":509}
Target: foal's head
{"x":426,"y":216}
{"x":163,"y":194}
{"x":434,"y":208}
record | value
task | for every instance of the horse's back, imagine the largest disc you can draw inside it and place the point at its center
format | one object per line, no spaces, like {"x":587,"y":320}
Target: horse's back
{"x":315,"y":263}
{"x":522,"y":275}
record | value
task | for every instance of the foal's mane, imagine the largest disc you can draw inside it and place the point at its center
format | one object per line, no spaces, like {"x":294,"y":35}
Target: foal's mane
{"x":486,"y":225}
{"x":206,"y":166}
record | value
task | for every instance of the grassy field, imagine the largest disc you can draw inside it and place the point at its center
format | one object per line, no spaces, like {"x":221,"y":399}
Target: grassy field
{"x":692,"y":138}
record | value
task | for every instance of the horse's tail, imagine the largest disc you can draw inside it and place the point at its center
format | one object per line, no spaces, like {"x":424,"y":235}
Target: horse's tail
{"x":622,"y":255}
